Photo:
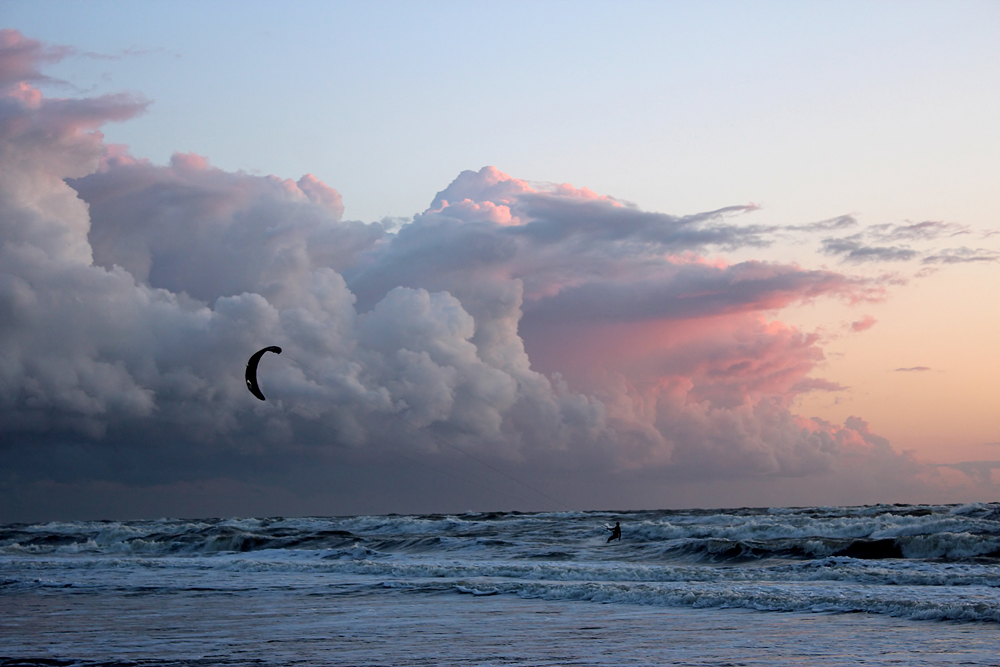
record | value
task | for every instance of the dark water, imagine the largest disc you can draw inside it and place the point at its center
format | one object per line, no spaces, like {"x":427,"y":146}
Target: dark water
{"x":460,"y":589}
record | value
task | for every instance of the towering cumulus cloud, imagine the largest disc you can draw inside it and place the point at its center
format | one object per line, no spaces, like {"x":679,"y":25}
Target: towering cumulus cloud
{"x":549,"y":332}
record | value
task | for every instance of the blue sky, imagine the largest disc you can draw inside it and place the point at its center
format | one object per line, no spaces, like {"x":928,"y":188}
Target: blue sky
{"x":811,"y":109}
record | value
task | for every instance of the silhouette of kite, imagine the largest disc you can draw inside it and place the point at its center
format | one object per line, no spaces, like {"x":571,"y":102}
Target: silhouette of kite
{"x":252,"y":370}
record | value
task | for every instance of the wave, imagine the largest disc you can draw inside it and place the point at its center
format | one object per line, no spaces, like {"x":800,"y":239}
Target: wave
{"x":951,"y":533}
{"x":917,"y":562}
{"x":170,"y":537}
{"x":362,"y":562}
{"x":761,"y":598}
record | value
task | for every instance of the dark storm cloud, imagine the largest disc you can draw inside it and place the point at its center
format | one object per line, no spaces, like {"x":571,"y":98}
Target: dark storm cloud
{"x":691,"y":291}
{"x":582,"y":256}
{"x":131,"y":296}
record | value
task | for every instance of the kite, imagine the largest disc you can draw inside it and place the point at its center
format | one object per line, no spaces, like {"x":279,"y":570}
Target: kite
{"x":252,"y":370}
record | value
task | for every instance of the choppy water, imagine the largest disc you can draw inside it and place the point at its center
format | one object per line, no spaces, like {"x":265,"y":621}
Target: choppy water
{"x":225,"y":586}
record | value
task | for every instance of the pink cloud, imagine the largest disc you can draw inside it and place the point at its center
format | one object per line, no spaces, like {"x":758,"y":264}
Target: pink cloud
{"x":470,"y":211}
{"x":21,"y":58}
{"x":488,"y":184}
{"x":816,"y":384}
{"x":190,"y":227}
{"x":568,"y":190}
{"x":189,"y":162}
{"x":865,"y":323}
{"x":727,"y":360}
{"x":320,"y":193}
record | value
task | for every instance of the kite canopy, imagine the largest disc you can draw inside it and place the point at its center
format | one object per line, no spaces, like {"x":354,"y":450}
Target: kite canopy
{"x":252,"y":370}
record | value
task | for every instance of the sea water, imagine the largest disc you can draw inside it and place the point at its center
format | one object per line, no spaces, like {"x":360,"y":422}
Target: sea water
{"x":878,"y":585}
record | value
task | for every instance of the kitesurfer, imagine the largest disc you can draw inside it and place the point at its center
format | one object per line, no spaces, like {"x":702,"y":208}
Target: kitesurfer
{"x":616,"y":532}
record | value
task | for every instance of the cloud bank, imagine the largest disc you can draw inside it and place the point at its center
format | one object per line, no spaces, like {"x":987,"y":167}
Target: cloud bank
{"x":557,"y":336}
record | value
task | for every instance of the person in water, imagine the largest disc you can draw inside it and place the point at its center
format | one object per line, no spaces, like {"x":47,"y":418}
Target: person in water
{"x":616,"y":532}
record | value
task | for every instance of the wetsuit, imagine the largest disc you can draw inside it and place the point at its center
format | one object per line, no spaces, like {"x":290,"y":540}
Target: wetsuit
{"x":616,"y":533}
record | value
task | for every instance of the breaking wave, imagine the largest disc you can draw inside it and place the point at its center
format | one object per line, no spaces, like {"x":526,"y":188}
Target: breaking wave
{"x":918,"y":562}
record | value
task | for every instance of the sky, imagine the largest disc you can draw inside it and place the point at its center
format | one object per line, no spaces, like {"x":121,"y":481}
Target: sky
{"x":518,"y":256}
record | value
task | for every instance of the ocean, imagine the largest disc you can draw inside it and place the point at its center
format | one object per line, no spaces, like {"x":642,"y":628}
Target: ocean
{"x":874,"y":585}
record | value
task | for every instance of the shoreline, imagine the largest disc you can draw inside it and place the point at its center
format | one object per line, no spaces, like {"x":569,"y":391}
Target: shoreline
{"x":400,"y":628}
